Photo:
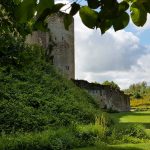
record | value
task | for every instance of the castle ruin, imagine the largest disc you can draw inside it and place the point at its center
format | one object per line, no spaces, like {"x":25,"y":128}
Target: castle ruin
{"x":59,"y":45}
{"x":106,"y":97}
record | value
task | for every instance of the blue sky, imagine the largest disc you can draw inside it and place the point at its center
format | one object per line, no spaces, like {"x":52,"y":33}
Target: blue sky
{"x":143,"y":32}
{"x":122,"y":56}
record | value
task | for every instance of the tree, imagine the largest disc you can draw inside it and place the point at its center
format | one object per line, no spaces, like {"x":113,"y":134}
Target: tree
{"x":8,"y":18}
{"x":111,"y":84}
{"x":137,"y":90}
{"x":102,"y":14}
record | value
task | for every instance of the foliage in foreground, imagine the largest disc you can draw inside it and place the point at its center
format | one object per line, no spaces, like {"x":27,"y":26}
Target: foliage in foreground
{"x":102,"y":14}
{"x":72,"y":137}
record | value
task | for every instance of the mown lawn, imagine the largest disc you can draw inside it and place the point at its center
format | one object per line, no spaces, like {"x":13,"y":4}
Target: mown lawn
{"x":133,"y":117}
{"x":141,"y":117}
{"x":143,"y":146}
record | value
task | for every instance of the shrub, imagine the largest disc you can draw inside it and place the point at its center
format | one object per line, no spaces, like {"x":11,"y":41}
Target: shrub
{"x":126,"y":132}
{"x":104,"y":120}
{"x":34,"y":96}
{"x":137,"y":95}
{"x":52,"y":139}
{"x":88,"y":135}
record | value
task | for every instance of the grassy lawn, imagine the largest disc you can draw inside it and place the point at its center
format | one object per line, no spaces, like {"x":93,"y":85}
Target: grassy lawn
{"x":143,"y":146}
{"x":142,"y":117}
{"x":133,"y":117}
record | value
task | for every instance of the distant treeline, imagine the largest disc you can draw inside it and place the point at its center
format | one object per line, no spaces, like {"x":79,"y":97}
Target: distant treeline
{"x":138,"y":90}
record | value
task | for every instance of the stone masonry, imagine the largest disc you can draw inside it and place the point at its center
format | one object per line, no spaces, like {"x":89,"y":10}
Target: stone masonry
{"x":105,"y":96}
{"x":59,"y":44}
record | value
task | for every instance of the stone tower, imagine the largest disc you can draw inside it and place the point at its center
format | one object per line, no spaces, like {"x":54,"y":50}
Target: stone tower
{"x":59,"y":44}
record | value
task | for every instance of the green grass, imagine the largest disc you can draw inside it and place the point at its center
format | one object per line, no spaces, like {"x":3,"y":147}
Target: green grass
{"x":140,"y":117}
{"x":135,"y":117}
{"x":128,"y":118}
{"x":143,"y":146}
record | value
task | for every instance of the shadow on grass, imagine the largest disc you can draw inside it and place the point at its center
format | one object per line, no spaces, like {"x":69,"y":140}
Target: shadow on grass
{"x":130,"y":114}
{"x":146,"y":125}
{"x":123,"y":148}
{"x":117,"y":116}
{"x":109,"y":148}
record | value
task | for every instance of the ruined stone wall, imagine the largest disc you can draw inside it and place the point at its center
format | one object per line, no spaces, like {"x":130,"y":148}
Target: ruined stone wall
{"x":105,"y":96}
{"x":59,"y":44}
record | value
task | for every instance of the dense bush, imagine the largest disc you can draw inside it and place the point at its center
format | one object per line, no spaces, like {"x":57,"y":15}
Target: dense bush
{"x":33,"y":96}
{"x":9,"y":22}
{"x":90,"y":134}
{"x":137,"y":95}
{"x":127,"y":133}
{"x":73,"y":137}
{"x":54,"y":138}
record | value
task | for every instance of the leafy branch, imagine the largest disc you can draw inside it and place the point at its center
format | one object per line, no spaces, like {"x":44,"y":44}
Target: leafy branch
{"x":102,"y":14}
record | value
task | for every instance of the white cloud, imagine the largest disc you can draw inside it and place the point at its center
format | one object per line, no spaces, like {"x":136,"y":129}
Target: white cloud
{"x":116,"y":56}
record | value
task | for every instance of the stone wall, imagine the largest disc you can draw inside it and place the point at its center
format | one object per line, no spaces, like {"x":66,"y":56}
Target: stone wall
{"x":105,"y":96}
{"x":59,"y":44}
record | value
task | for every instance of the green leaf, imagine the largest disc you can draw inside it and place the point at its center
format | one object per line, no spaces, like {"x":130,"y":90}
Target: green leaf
{"x":56,"y":8}
{"x":68,"y":19}
{"x":25,"y":10}
{"x":49,"y":11}
{"x":105,"y":25}
{"x":44,"y":4}
{"x":74,"y":8}
{"x":138,"y":14}
{"x":93,"y":4}
{"x":109,"y":3}
{"x":40,"y":25}
{"x":129,"y":1}
{"x":147,"y":6}
{"x":121,"y":22}
{"x":89,"y":17}
{"x":43,"y":15}
{"x":17,"y":1}
{"x":123,"y":6}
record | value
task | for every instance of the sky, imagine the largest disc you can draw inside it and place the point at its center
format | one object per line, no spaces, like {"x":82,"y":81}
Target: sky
{"x":122,"y":56}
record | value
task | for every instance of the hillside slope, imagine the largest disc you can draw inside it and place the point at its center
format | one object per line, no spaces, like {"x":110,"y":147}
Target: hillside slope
{"x":34,"y":96}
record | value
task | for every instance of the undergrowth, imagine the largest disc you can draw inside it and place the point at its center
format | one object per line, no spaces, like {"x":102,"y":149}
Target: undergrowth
{"x":33,"y":97}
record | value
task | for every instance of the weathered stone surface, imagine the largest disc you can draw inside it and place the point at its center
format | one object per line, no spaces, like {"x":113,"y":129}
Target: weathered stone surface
{"x":105,"y":96}
{"x":59,"y":44}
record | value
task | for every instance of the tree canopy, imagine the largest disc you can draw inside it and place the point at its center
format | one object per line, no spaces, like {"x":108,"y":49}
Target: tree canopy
{"x":111,"y":84}
{"x":102,"y":14}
